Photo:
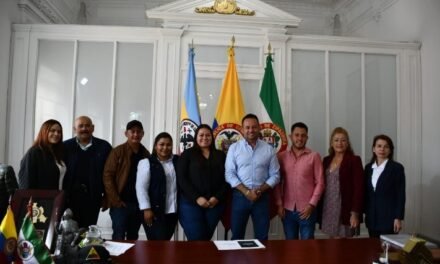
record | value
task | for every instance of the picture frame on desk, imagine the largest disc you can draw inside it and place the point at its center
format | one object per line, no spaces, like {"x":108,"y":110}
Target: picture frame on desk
{"x":47,"y":210}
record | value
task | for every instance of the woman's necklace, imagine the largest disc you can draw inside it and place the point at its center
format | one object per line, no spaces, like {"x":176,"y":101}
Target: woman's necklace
{"x":334,"y":165}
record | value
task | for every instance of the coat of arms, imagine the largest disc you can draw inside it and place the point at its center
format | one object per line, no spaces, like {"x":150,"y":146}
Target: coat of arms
{"x":225,"y":7}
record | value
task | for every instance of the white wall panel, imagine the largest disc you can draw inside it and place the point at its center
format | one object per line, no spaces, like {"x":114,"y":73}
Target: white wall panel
{"x":134,"y":84}
{"x":308,"y":96}
{"x":346,"y":95}
{"x":381,"y":98}
{"x":93,"y":83}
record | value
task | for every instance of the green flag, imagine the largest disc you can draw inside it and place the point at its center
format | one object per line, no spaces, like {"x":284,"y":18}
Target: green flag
{"x":31,"y":249}
{"x":269,"y":95}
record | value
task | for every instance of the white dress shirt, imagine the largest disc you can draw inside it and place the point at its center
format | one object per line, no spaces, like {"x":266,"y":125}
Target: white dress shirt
{"x":62,"y":167}
{"x":377,"y":171}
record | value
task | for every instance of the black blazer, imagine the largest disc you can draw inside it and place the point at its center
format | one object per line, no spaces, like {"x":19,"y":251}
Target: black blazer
{"x":38,"y":170}
{"x":198,"y":176}
{"x":99,"y":152}
{"x":387,"y":202}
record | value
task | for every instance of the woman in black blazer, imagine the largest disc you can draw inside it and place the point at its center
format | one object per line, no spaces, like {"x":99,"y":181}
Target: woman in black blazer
{"x":202,"y":186}
{"x":42,"y":167}
{"x":385,"y":190}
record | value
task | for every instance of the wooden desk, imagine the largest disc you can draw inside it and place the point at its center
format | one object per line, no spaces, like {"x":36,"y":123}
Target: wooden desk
{"x":322,"y":251}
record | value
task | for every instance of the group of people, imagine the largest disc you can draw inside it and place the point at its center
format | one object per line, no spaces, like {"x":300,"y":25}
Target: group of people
{"x":338,"y":191}
{"x":157,"y":190}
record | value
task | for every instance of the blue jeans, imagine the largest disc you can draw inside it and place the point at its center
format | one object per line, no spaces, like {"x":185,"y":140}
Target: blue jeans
{"x":199,"y":223}
{"x":293,"y":225}
{"x":242,"y":208}
{"x":126,"y":222}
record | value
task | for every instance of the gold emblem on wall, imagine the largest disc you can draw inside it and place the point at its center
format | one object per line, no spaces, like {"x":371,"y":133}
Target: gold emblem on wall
{"x":225,"y":7}
{"x":38,"y":214}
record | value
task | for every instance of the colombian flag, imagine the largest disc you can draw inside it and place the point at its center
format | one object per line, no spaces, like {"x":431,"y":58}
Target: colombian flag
{"x":8,"y":237}
{"x":230,"y":107}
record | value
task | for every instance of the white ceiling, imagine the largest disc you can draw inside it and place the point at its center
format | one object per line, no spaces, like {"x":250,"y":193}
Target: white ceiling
{"x":317,"y":15}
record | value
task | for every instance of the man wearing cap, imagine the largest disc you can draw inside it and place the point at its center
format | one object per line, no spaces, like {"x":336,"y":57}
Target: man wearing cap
{"x":85,"y":156}
{"x":120,"y":183}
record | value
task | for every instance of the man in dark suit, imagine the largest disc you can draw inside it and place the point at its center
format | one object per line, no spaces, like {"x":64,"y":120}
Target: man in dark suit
{"x":8,"y":185}
{"x":85,"y":157}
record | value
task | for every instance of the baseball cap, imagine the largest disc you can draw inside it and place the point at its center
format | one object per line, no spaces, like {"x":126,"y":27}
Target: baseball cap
{"x":134,"y":123}
{"x":94,"y":254}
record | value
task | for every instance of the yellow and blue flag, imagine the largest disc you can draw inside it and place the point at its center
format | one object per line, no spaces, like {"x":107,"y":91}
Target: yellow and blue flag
{"x":190,"y":115}
{"x":230,"y":107}
{"x":8,"y":237}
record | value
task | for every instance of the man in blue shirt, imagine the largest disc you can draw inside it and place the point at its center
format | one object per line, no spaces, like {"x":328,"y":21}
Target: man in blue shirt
{"x":251,"y":169}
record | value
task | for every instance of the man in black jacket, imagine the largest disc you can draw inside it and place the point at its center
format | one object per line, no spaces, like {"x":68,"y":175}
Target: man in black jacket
{"x":8,"y":185}
{"x":85,"y":157}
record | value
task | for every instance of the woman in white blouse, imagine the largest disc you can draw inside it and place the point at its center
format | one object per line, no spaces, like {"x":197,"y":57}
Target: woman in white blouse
{"x":385,"y":190}
{"x":156,"y":189}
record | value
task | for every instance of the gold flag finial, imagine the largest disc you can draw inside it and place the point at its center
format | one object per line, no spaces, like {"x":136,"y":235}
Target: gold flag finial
{"x":269,"y":50}
{"x":231,"y":48}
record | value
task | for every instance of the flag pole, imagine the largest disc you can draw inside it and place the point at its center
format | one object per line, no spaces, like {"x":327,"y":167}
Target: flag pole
{"x":29,"y":207}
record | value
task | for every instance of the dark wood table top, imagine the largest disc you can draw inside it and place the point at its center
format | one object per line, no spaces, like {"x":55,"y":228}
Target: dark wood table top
{"x":328,"y":251}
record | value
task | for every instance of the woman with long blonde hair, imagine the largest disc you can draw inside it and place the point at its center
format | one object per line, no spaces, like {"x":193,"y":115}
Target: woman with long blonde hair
{"x":342,"y":204}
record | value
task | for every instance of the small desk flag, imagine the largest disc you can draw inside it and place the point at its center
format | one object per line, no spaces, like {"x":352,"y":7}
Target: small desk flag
{"x":31,"y":248}
{"x":8,"y":237}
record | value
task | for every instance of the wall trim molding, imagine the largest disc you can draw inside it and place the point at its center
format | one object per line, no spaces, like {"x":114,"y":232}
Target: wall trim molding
{"x":356,"y":13}
{"x":47,"y":11}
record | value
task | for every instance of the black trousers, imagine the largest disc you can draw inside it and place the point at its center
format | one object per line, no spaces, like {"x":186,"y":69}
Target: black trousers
{"x":376,"y":233}
{"x":162,"y":228}
{"x":85,"y":208}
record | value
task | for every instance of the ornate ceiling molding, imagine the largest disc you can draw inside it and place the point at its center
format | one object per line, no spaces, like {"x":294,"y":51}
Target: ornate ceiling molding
{"x":181,"y":14}
{"x":45,"y":11}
